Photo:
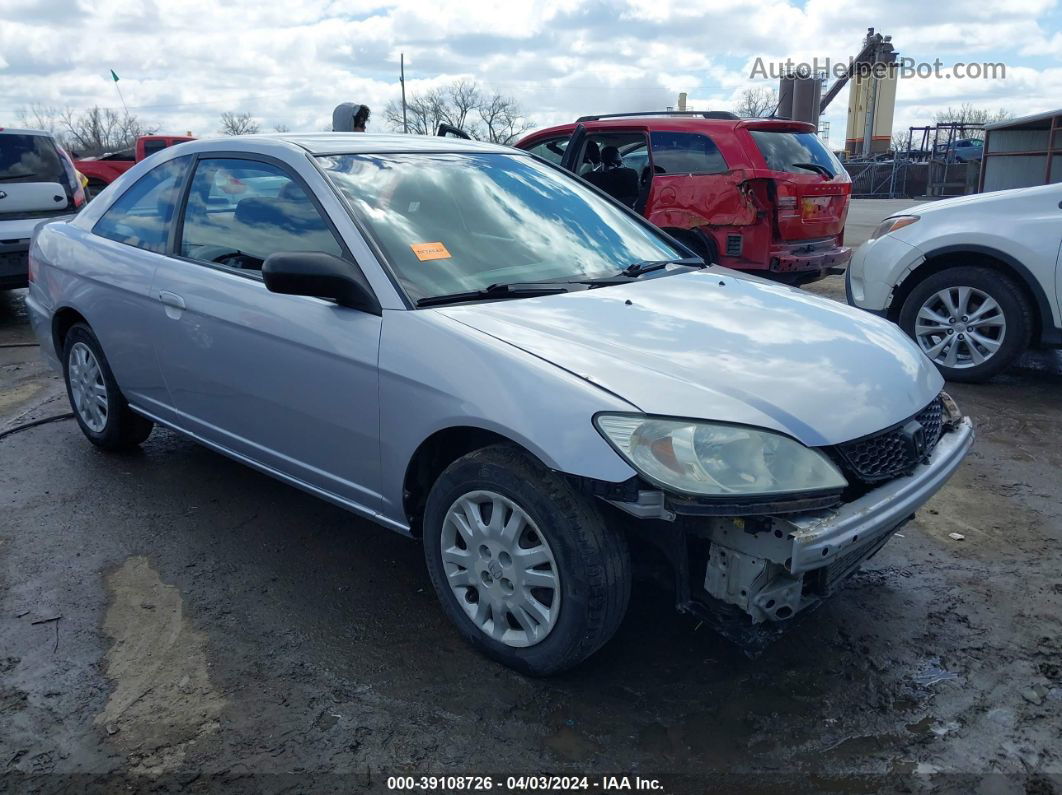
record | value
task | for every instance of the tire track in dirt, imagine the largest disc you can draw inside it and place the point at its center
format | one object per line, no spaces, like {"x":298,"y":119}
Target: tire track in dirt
{"x":163,"y":700}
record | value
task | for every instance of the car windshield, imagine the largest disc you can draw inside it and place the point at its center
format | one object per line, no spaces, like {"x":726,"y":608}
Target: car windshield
{"x":451,"y":223}
{"x":29,"y":158}
{"x":793,"y":152}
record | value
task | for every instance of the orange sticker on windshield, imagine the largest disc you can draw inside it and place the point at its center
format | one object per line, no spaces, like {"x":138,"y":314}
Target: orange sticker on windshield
{"x":427,"y":251}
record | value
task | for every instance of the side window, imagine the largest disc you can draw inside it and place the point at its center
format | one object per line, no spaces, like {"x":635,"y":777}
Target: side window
{"x":552,"y":149}
{"x":241,"y":211}
{"x":142,"y":215}
{"x":686,"y":153}
{"x":151,"y":147}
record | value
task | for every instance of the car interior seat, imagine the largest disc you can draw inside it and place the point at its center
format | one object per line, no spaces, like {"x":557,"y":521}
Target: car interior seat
{"x":618,"y":181}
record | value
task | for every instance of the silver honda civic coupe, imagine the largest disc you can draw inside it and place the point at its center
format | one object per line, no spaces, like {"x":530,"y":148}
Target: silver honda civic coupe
{"x":468,"y":345}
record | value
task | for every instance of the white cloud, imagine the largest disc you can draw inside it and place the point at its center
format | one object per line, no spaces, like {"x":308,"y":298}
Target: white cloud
{"x":182,"y":63}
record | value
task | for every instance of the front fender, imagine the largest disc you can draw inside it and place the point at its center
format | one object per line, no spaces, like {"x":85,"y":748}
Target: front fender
{"x":437,"y":373}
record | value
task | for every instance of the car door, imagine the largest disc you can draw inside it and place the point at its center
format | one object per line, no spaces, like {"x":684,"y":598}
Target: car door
{"x":692,"y":186}
{"x":551,"y":149}
{"x":127,"y":244}
{"x":1058,"y":277}
{"x":286,"y":382}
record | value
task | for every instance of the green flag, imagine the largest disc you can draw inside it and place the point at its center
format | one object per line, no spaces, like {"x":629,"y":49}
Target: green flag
{"x":114,"y":76}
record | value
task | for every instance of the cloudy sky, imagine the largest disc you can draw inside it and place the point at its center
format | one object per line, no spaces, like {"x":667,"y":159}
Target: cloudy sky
{"x":183,"y":62}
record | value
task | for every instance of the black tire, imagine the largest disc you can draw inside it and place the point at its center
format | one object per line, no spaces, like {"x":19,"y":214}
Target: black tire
{"x":1001,"y":288}
{"x":592,"y":559}
{"x":123,"y":429}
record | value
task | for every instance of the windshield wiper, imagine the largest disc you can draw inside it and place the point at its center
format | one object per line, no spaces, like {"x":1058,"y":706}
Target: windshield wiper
{"x":818,"y":169}
{"x":636,"y":269}
{"x":17,"y":176}
{"x":513,"y":290}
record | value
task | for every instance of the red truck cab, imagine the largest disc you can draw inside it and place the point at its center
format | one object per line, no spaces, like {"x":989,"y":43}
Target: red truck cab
{"x":103,"y":170}
{"x":759,"y":195}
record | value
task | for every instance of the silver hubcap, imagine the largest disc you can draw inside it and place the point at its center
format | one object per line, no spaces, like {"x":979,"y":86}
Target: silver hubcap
{"x":500,"y":568}
{"x":87,"y":387}
{"x":960,"y":327}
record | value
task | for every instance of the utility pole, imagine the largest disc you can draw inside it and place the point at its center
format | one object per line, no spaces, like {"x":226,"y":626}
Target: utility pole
{"x":402,"y":80}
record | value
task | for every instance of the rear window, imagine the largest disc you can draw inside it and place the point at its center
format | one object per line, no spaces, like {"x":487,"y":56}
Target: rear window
{"x":30,"y":158}
{"x":685,"y":153}
{"x":793,"y":152}
{"x":151,"y":147}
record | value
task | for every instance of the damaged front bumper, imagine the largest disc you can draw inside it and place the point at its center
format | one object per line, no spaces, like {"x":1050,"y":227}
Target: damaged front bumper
{"x":769,"y":568}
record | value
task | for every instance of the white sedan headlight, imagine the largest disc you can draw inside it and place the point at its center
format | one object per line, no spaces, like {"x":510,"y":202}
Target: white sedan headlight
{"x":709,"y":459}
{"x":892,"y":224}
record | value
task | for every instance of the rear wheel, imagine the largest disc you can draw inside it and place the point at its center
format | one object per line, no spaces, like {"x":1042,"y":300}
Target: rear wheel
{"x":972,"y":322}
{"x":99,"y":407}
{"x":524,"y":566}
{"x":701,"y":247}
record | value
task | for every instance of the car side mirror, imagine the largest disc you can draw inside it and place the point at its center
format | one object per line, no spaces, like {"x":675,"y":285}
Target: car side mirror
{"x":320,"y":275}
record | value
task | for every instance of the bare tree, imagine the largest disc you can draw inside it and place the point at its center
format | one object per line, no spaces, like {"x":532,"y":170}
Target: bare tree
{"x":756,"y":103}
{"x":970,"y":115}
{"x":91,"y":132}
{"x":502,"y":120}
{"x":238,"y":124}
{"x":462,"y":104}
{"x":41,"y":117}
{"x":424,"y":112}
{"x":281,"y":128}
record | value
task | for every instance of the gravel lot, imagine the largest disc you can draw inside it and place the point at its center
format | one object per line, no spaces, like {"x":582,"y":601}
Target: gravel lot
{"x":217,"y":626}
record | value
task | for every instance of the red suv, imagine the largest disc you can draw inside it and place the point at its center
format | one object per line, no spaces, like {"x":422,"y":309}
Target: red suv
{"x":761,"y":195}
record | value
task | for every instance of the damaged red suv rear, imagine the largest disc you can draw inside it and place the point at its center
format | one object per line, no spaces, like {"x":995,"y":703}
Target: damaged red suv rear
{"x":759,"y":195}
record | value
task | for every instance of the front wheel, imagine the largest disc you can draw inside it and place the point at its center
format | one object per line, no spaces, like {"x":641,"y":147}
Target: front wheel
{"x":99,"y":407}
{"x":972,"y":322}
{"x":524,"y":566}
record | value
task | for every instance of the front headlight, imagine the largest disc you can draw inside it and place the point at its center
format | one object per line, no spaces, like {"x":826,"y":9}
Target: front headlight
{"x":709,"y":459}
{"x":892,"y":224}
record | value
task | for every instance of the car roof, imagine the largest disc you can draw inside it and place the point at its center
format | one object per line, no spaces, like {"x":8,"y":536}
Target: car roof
{"x":678,"y":124}
{"x":346,"y":143}
{"x":11,"y":131}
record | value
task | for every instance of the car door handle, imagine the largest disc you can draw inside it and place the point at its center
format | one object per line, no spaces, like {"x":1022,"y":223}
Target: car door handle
{"x":171,"y":299}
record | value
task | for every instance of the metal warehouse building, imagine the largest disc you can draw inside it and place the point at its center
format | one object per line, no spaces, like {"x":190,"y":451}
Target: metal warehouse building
{"x":1020,"y":153}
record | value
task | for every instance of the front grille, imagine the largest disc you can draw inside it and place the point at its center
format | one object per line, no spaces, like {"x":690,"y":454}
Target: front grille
{"x":897,"y":450}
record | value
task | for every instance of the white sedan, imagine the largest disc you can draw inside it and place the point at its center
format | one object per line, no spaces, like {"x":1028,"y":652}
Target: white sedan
{"x":974,"y":280}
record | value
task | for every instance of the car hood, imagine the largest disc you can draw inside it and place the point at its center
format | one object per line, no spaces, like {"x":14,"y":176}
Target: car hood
{"x":958,"y":201}
{"x":716,"y":345}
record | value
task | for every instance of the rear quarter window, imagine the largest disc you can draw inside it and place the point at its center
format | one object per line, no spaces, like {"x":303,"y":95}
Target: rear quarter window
{"x":142,"y":215}
{"x":685,"y":153}
{"x":785,"y":151}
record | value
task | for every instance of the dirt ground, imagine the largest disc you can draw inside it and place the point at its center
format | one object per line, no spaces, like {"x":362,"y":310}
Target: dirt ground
{"x":172,"y":620}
